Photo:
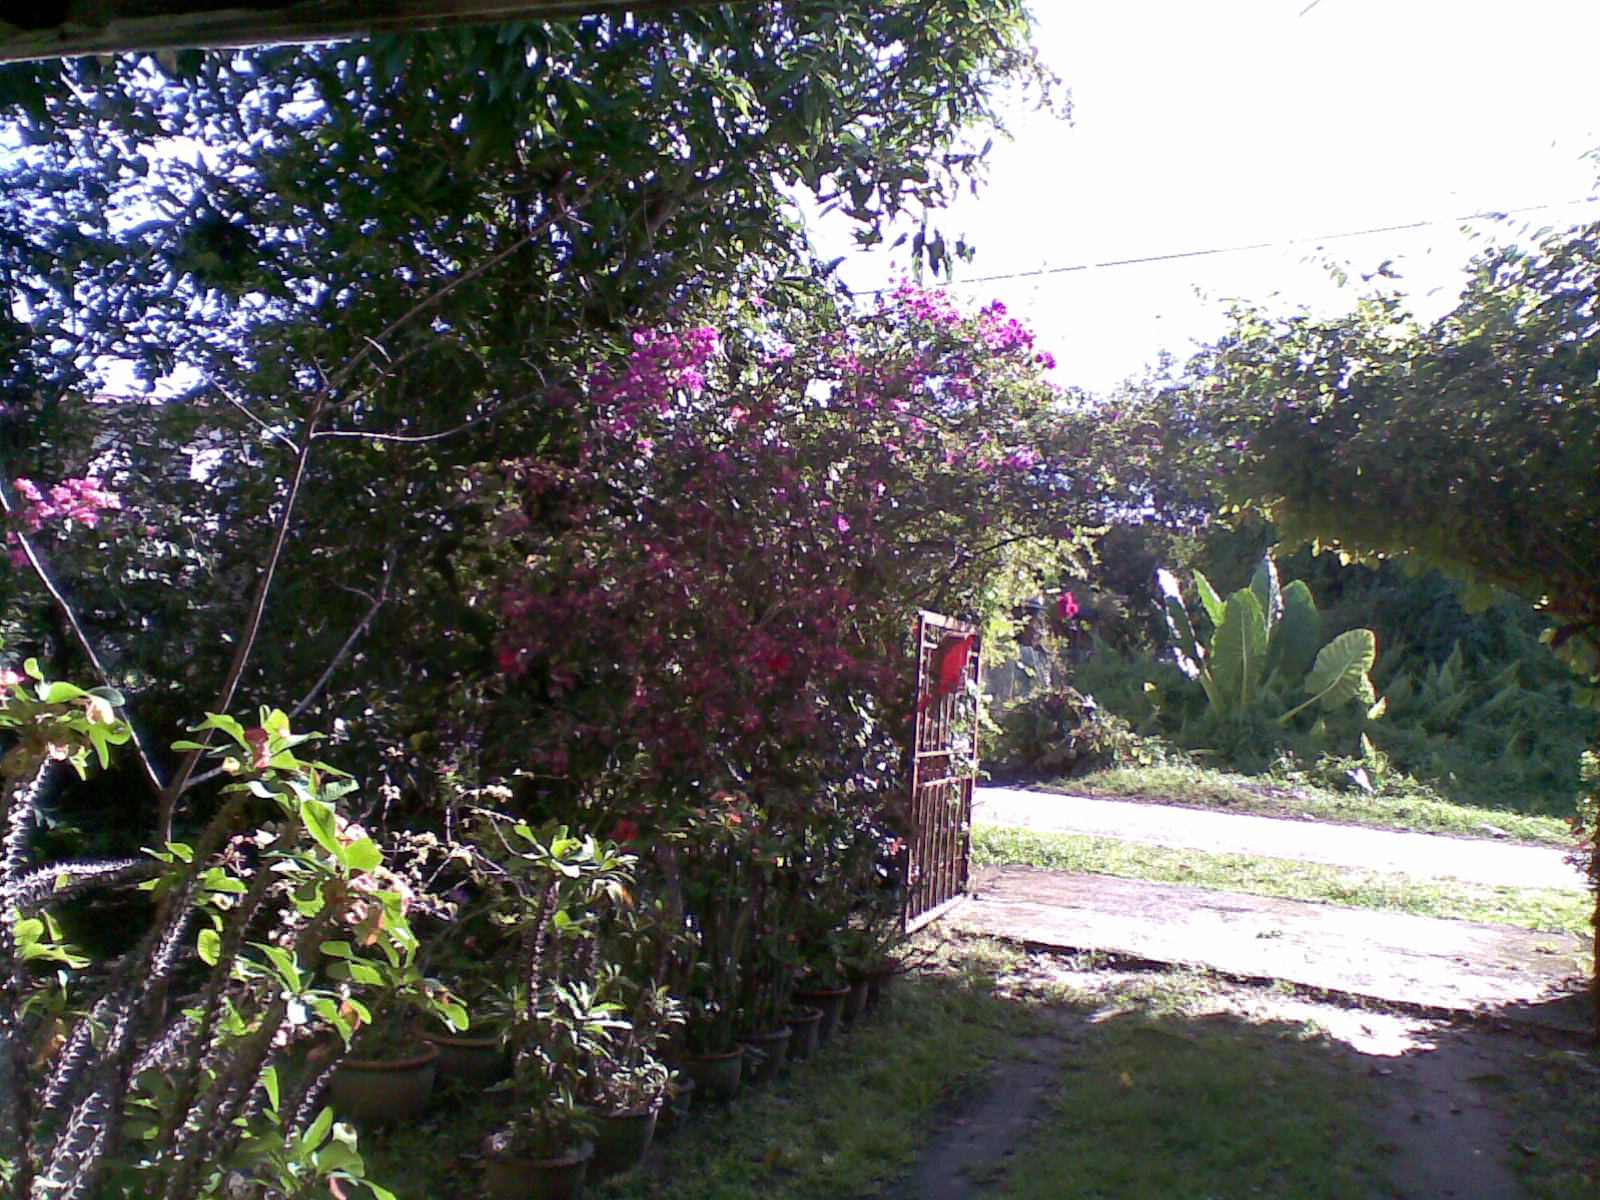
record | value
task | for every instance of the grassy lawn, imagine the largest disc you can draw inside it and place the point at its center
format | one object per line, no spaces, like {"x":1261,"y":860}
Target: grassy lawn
{"x":842,"y":1125}
{"x":1170,"y":1084}
{"x":1164,"y":1109}
{"x":1528,"y":908}
{"x":1197,"y":787}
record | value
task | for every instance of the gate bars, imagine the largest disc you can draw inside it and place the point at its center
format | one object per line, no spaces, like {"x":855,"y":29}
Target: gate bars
{"x":944,"y":766}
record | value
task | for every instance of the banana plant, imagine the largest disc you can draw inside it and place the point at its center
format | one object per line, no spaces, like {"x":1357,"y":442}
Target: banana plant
{"x":1263,"y":651}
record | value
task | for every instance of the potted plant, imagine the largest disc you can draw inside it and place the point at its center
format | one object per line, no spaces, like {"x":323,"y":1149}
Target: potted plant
{"x":628,"y":1080}
{"x":708,"y":859}
{"x":562,"y":884}
{"x":388,"y":1073}
{"x":769,"y":967}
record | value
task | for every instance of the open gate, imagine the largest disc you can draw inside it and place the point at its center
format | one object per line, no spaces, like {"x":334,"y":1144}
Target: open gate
{"x":944,"y":766}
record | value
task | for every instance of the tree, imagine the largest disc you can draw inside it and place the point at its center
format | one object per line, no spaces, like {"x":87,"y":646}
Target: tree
{"x":718,"y":593}
{"x":450,"y":226}
{"x":1471,"y":445}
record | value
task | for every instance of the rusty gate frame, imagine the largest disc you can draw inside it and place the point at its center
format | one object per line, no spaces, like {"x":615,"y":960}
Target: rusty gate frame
{"x":939,"y":845}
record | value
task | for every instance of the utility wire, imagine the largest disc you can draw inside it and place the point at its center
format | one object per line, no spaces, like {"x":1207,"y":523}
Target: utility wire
{"x":1154,"y":258}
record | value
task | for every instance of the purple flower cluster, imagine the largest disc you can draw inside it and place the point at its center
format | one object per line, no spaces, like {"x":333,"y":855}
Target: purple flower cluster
{"x":661,"y":367}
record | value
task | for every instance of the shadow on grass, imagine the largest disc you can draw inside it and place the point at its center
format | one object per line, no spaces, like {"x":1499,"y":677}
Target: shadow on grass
{"x":999,"y":1074}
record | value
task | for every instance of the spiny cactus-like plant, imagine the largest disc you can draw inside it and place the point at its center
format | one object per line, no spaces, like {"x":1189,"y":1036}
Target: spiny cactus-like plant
{"x":163,"y":1072}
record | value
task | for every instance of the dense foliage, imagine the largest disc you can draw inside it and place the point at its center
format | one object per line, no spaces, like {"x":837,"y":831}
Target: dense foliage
{"x":398,"y":252}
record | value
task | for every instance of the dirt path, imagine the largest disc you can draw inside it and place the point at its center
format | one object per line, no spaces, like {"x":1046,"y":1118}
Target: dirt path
{"x":1453,"y":1100}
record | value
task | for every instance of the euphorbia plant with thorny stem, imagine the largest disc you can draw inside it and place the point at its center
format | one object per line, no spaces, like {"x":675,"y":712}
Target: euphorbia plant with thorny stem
{"x":167,"y":1063}
{"x":561,"y":887}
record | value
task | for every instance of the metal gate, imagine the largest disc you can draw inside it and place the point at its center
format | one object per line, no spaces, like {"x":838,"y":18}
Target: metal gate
{"x":944,"y":766}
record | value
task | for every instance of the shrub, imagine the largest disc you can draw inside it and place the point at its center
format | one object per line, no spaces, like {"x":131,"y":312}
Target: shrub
{"x":1065,"y":732}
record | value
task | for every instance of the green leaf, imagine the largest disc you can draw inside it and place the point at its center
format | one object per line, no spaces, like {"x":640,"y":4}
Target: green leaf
{"x":1268,"y":591}
{"x":209,"y":945}
{"x":322,"y":824}
{"x":318,"y":1131}
{"x":1238,"y":652}
{"x":1185,"y":646}
{"x":1297,"y":634}
{"x":363,"y":855}
{"x":1209,"y":598}
{"x":1340,"y":673}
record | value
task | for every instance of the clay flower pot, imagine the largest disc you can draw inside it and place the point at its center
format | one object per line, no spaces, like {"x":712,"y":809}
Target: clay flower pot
{"x":370,"y":1091}
{"x":830,"y":1001}
{"x":474,"y":1061}
{"x":622,"y":1139}
{"x":716,"y":1076}
{"x":805,"y":1025}
{"x":511,"y":1177}
{"x":770,"y":1051}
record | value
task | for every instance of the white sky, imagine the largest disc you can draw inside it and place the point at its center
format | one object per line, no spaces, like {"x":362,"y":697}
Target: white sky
{"x":1215,"y":123}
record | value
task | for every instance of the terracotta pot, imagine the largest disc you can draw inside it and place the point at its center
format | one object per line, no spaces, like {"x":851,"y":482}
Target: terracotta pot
{"x":804,"y":1028}
{"x":507,"y":1177}
{"x":369,"y":1091}
{"x":771,"y":1049}
{"x":621,"y":1140}
{"x":474,"y":1061}
{"x":716,"y":1076}
{"x":831,"y":1002}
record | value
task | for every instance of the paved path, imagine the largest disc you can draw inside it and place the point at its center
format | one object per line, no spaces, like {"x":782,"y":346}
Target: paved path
{"x":1456,"y":966}
{"x":1425,"y":854}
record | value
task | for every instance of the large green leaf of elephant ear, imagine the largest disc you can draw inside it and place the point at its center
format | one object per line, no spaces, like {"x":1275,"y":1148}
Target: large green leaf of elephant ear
{"x":1185,"y":646}
{"x":1268,"y":591}
{"x":1340,"y":673}
{"x":1239,"y":652}
{"x":1209,"y":598}
{"x":1296,"y":636}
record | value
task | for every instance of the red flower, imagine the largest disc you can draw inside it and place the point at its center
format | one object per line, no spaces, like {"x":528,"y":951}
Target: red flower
{"x":779,"y":663}
{"x":624,"y":830}
{"x":262,"y":757}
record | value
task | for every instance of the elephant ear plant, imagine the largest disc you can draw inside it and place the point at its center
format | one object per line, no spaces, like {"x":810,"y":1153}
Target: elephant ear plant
{"x":1262,"y":666}
{"x":164,"y":1071}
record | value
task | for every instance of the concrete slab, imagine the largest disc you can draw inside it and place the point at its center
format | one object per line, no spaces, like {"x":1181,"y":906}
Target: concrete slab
{"x":1424,"y":962}
{"x":1471,"y":860}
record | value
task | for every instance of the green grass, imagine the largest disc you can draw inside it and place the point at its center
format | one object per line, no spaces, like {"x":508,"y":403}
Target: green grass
{"x":1159,"y":1109}
{"x":1528,"y":908}
{"x":1199,"y":787}
{"x":840,"y":1126}
{"x":1554,"y":1123}
{"x":1171,"y":1084}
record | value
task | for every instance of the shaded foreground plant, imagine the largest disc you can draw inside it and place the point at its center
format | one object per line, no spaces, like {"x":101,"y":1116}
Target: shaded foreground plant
{"x":165,"y":1071}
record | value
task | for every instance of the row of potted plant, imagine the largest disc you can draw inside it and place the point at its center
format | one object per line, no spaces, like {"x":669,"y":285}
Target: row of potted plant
{"x":605,"y":977}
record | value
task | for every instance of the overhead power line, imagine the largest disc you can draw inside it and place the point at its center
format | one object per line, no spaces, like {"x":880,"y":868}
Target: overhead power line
{"x":1155,"y":258}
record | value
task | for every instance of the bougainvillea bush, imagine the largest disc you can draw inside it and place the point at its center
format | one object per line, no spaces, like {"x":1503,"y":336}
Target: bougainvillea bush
{"x":714,"y":589}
